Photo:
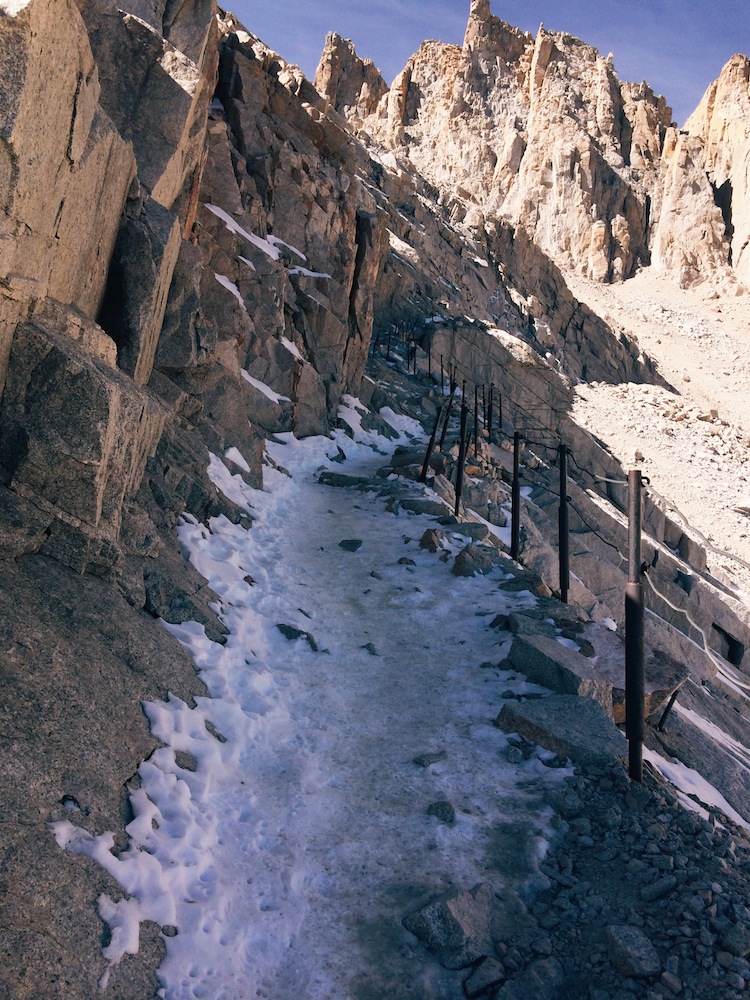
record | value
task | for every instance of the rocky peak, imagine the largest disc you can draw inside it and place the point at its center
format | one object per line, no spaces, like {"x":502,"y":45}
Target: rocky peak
{"x":722,"y":123}
{"x":353,"y":86}
{"x":487,"y":33}
{"x":541,"y":132}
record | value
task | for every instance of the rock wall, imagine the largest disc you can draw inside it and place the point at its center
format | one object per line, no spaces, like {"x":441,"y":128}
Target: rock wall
{"x":721,"y":123}
{"x":197,"y":247}
{"x":176,"y":212}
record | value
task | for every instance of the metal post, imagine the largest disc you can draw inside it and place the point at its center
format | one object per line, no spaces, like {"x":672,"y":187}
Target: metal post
{"x":429,"y":359}
{"x":515,"y":518}
{"x":500,"y":412}
{"x":489,"y":414}
{"x":634,"y":660}
{"x":430,"y":447}
{"x":461,"y":455}
{"x":484,"y":405}
{"x":442,"y":377}
{"x":562,"y":453}
{"x":447,"y":416}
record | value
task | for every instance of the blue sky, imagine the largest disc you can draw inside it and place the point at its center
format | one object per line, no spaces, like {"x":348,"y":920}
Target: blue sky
{"x":678,"y":46}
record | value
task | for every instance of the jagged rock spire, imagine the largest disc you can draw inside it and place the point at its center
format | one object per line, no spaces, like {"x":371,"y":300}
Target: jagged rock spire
{"x":479,"y":20}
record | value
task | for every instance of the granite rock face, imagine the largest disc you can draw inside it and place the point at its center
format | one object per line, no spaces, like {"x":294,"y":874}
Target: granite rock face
{"x":197,"y":250}
{"x":542,"y":132}
{"x":721,"y":123}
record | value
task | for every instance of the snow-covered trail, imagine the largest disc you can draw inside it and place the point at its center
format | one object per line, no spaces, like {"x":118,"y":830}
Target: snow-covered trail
{"x":289,"y":856}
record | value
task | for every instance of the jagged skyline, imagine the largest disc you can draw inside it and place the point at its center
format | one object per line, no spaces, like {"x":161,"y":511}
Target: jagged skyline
{"x":679,"y":48}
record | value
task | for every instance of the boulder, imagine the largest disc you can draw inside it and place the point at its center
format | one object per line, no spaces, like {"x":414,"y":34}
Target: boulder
{"x":542,"y":980}
{"x":455,"y":927}
{"x":76,"y":433}
{"x":546,"y":661}
{"x":631,"y":953}
{"x":473,"y":559}
{"x":573,"y":727}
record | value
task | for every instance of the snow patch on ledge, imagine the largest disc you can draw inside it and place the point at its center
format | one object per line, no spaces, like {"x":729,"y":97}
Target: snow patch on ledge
{"x":265,"y":389}
{"x":230,"y":287}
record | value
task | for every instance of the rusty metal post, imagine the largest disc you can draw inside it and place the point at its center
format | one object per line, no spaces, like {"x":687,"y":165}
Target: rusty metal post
{"x":515,"y":517}
{"x":634,"y":614}
{"x":563,"y":523}
{"x":430,"y":447}
{"x":461,"y":454}
{"x":447,"y":416}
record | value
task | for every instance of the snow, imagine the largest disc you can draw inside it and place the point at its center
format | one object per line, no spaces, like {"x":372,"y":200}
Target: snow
{"x":291,"y":347}
{"x":303,"y":271}
{"x":265,"y":245}
{"x":248,"y":262}
{"x":234,"y":455}
{"x":690,"y":783}
{"x":267,"y":391}
{"x":276,"y":242}
{"x":11,"y":8}
{"x":230,"y":287}
{"x":232,"y":486}
{"x":286,"y":859}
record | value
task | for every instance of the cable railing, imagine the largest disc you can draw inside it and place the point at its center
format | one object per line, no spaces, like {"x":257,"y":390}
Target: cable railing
{"x":457,"y":384}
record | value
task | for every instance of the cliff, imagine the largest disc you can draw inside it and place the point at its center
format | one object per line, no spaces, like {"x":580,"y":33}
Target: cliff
{"x":198,"y":248}
{"x":542,"y":132}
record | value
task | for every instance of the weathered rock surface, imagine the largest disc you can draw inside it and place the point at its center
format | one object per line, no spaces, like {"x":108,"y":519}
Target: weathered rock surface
{"x":456,"y":928}
{"x":197,"y":250}
{"x":353,"y":85}
{"x":722,"y":123}
{"x":80,"y":692}
{"x":578,"y":728}
{"x":541,"y":131}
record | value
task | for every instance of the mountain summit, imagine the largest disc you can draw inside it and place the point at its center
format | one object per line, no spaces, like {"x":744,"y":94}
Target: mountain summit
{"x":542,"y":132}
